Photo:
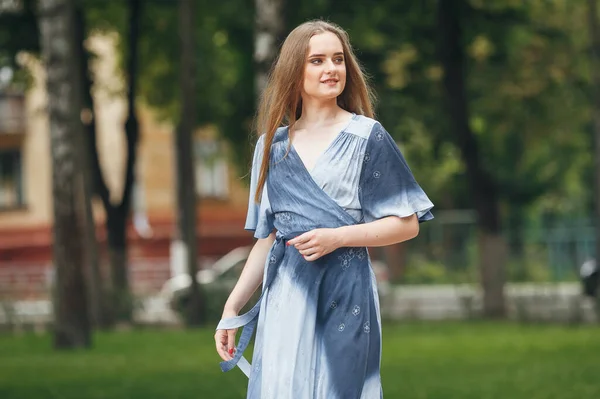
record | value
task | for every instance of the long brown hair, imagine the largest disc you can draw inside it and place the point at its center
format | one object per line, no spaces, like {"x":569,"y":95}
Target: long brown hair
{"x":281,"y":101}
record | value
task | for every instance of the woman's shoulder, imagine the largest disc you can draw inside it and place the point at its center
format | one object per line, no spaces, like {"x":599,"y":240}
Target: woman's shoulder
{"x":279,"y":136}
{"x":363,"y":126}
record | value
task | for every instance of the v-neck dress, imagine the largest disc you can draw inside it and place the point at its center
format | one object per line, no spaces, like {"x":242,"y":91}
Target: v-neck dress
{"x":318,"y":325}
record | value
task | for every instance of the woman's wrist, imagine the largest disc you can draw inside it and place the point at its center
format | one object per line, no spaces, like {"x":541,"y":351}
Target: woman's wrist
{"x":231,"y":309}
{"x":340,"y":234}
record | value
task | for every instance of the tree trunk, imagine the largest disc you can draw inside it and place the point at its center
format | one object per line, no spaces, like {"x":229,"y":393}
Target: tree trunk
{"x":492,"y":258}
{"x":515,"y":225}
{"x":72,"y":328}
{"x":395,"y":258}
{"x":269,"y":25}
{"x":122,"y":300}
{"x":185,"y":177}
{"x":595,"y":71}
{"x":97,"y":298}
{"x":492,"y":246}
{"x":516,"y":212}
{"x":117,"y":215}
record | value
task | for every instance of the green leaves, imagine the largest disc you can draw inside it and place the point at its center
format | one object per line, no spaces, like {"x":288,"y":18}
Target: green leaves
{"x":528,"y":81}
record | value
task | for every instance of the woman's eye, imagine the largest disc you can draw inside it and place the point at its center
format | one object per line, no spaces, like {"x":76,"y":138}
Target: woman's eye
{"x":317,"y":61}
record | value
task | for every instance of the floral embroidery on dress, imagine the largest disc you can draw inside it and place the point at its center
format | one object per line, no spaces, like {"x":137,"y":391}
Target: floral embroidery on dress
{"x":345,"y":259}
{"x":333,"y":305}
{"x":367,"y":327}
{"x":377,"y":174}
{"x":356,"y":310}
{"x":350,"y":254}
{"x":284,"y":217}
{"x":345,"y":264}
{"x":341,"y":327}
{"x":379,"y":136}
{"x":361,"y":253}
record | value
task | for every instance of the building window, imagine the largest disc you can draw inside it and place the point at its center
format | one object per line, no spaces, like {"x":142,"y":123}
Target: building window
{"x":212,"y":175}
{"x":11,"y":179}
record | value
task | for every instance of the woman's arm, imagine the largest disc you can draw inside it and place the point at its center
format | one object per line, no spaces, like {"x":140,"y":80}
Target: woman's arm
{"x":250,"y":278}
{"x":379,"y":233}
{"x":385,"y":231}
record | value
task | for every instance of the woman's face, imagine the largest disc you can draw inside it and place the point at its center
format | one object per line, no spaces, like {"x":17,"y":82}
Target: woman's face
{"x":325,"y":68}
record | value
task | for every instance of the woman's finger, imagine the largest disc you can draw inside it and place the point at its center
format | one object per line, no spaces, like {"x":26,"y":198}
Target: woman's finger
{"x":221,"y":341}
{"x":299,"y":239}
{"x":306,"y":244}
{"x":309,"y":251}
{"x":231,"y":342}
{"x":313,"y":257}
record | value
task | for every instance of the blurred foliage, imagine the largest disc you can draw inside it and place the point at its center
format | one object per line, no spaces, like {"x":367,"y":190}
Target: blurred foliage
{"x":224,"y":65}
{"x":528,"y":85}
{"x":531,"y":266}
{"x":421,"y":270}
{"x":447,"y":252}
{"x":528,"y":94}
{"x":18,"y":32}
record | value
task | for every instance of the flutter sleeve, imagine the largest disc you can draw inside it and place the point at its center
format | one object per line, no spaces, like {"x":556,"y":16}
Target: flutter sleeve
{"x":387,"y":185}
{"x":260,"y":217}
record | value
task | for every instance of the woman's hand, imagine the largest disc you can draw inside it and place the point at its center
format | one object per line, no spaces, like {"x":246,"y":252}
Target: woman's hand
{"x":225,"y":339}
{"x":316,"y":243}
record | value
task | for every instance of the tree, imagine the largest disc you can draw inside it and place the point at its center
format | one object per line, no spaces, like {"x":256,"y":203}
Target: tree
{"x":482,"y":185}
{"x":526,"y":101}
{"x":117,"y":215}
{"x":56,"y":21}
{"x":225,"y":69}
{"x":185,"y":176}
{"x":99,"y":303}
{"x":269,"y":27}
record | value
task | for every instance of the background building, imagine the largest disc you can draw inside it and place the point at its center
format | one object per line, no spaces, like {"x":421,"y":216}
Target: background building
{"x":25,"y":184}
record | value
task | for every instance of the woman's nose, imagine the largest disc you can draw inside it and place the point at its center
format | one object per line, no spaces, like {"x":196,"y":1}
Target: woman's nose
{"x":329,"y":65}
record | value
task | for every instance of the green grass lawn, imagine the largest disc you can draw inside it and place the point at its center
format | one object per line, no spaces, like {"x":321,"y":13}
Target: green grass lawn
{"x":420,"y":360}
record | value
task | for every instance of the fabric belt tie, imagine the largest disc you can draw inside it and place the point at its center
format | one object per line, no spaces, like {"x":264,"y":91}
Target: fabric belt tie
{"x":250,"y":319}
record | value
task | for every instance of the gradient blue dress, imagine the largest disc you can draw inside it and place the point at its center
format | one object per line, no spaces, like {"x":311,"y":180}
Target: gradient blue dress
{"x":318,"y":326}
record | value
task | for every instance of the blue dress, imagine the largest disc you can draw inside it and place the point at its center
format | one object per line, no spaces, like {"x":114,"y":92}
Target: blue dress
{"x":318,"y":326}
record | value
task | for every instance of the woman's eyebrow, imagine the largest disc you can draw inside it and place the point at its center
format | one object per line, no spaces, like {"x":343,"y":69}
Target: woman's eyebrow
{"x":323,"y":55}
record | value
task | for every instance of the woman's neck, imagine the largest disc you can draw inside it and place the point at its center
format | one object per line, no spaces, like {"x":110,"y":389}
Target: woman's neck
{"x":317,"y":113}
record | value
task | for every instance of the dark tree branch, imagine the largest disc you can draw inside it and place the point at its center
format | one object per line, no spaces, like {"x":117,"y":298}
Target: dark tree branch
{"x":98,"y":183}
{"x":131,"y":126}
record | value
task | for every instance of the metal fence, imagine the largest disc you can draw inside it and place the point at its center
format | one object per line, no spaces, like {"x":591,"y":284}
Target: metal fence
{"x":446,"y":251}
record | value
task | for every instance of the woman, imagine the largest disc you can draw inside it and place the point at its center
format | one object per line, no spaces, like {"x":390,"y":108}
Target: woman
{"x":323,"y":188}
